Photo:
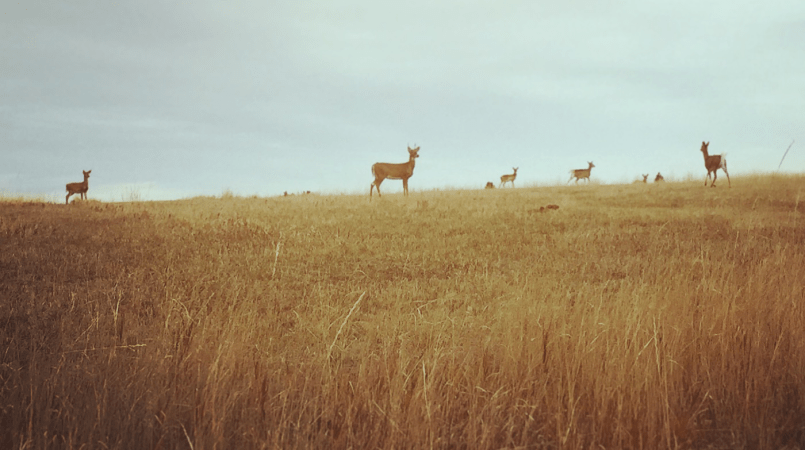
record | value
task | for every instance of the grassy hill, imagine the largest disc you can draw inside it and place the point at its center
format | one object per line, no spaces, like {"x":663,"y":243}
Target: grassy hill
{"x":635,"y":316}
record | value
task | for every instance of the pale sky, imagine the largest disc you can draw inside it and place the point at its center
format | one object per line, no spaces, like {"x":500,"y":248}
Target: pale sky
{"x":179,"y":99}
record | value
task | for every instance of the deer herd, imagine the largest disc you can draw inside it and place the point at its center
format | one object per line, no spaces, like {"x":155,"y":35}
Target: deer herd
{"x":405,"y":171}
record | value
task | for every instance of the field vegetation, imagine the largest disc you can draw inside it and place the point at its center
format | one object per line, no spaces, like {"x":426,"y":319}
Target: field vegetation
{"x":636,"y":316}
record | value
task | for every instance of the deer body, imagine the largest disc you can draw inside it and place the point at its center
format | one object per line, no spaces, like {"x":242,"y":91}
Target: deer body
{"x":509,"y":178}
{"x":489,"y":185}
{"x":78,"y":188}
{"x":658,"y":178}
{"x":645,"y":177}
{"x":403,"y":172}
{"x":712,"y":163}
{"x":582,"y":173}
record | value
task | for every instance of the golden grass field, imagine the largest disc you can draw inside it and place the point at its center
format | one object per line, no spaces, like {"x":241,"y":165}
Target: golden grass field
{"x":635,"y":316}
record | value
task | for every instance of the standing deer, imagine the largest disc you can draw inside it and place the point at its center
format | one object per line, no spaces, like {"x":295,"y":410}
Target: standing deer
{"x":506,"y":178}
{"x":658,"y":178}
{"x":714,"y":162}
{"x":78,"y":188}
{"x":645,"y":177}
{"x":582,"y":173}
{"x":403,"y":172}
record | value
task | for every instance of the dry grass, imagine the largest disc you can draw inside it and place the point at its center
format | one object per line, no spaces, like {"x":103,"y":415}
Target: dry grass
{"x":648,"y":316}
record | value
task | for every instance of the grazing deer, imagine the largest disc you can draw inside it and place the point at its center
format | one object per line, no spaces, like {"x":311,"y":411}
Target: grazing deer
{"x":658,"y":178}
{"x":714,"y":162}
{"x":543,"y":209}
{"x":403,"y":172}
{"x":645,"y":177}
{"x":78,"y":188}
{"x":506,"y":178}
{"x":489,"y":185}
{"x":582,"y":173}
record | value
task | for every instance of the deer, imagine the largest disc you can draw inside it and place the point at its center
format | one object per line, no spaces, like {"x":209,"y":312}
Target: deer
{"x":582,"y":173}
{"x":543,"y":209}
{"x":645,"y":177}
{"x":714,"y":162}
{"x":403,"y":172}
{"x":509,"y":178}
{"x":78,"y":188}
{"x":658,"y":178}
{"x":489,"y":185}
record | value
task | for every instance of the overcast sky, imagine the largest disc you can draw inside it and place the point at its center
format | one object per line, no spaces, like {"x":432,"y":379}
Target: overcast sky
{"x":178,"y":99}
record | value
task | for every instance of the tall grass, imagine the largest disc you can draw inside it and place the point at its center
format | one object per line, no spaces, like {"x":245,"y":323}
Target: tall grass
{"x":639,"y":316}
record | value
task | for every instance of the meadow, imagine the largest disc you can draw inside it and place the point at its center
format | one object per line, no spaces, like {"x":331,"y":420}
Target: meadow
{"x":635,"y":316}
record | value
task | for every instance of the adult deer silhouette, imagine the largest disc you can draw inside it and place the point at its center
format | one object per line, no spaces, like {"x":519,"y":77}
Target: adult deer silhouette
{"x":714,"y":162}
{"x":582,"y":173}
{"x":78,"y":188}
{"x":509,"y":178}
{"x":403,"y":172}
